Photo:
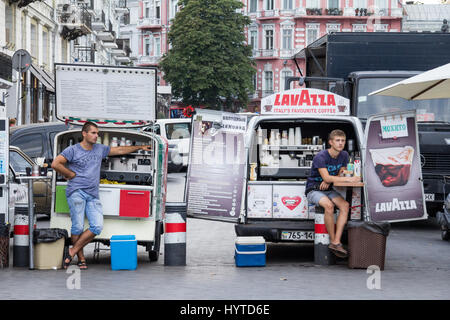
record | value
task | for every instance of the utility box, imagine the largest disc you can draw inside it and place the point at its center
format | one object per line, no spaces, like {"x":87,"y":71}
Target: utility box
{"x":123,"y":252}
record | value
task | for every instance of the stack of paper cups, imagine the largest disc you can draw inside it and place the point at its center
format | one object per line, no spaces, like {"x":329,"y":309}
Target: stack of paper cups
{"x":291,"y":138}
{"x":298,"y":136}
{"x":284,"y":138}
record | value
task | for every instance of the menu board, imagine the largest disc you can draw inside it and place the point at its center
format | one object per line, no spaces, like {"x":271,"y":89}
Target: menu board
{"x":217,"y":166}
{"x":105,"y":92}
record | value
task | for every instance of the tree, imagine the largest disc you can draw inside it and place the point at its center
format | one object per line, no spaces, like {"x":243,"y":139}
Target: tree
{"x":209,"y":62}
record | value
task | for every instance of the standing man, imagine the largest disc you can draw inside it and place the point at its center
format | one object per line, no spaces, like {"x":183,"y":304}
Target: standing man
{"x":326,"y":167}
{"x":83,"y":173}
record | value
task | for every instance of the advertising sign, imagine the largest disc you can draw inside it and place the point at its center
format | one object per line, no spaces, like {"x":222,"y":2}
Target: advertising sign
{"x":305,"y":102}
{"x":392,"y":171}
{"x":217,"y":166}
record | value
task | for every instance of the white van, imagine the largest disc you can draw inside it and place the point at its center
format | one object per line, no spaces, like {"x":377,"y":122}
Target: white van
{"x":178,"y":133}
{"x":255,"y":175}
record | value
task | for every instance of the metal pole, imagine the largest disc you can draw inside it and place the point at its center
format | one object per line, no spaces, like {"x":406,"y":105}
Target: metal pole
{"x":19,"y":95}
{"x":175,"y":235}
{"x":31,"y":222}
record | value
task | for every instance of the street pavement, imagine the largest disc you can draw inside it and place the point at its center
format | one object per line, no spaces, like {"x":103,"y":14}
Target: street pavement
{"x":417,"y":267}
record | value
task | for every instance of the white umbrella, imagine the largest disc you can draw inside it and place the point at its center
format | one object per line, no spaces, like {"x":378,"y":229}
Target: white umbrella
{"x":432,"y":84}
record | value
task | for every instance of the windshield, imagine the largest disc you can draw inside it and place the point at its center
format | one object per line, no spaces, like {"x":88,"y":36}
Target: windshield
{"x":427,"y":110}
{"x":178,"y":131}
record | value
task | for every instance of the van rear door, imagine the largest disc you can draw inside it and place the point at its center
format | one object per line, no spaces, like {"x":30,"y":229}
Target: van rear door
{"x":217,"y":166}
{"x":392,"y":170}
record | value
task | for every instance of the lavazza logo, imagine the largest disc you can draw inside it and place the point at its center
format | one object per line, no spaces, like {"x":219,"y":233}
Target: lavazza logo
{"x":395,"y":205}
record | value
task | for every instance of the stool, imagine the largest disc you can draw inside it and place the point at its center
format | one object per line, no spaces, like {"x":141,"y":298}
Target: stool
{"x":322,"y":255}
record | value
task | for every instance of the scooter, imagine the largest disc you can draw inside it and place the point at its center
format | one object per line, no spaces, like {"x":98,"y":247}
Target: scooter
{"x":443,"y":218}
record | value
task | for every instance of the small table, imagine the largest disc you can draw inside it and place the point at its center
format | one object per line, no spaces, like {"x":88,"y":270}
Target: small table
{"x":30,"y":180}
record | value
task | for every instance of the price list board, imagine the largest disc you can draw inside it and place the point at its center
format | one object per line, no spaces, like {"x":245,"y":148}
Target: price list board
{"x":217,"y":168}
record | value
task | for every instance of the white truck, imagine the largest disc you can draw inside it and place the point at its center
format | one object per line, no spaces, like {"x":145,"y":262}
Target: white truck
{"x":255,"y":175}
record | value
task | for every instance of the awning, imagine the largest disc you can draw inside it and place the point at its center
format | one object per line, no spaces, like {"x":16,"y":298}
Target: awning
{"x":4,"y":84}
{"x":45,"y":78}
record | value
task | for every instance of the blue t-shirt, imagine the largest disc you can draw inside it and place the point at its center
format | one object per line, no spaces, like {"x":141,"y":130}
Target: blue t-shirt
{"x":324,"y":160}
{"x":86,"y":165}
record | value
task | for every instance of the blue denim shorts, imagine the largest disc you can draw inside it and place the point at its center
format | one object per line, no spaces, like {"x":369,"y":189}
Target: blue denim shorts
{"x":314,"y":196}
{"x":81,"y":203}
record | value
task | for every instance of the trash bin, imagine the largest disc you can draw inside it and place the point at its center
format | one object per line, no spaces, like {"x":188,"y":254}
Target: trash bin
{"x":4,"y":245}
{"x":367,"y":244}
{"x":49,"y":248}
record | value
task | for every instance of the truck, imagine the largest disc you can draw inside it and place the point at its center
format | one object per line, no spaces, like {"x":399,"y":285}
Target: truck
{"x":353,"y":64}
{"x":253,"y":173}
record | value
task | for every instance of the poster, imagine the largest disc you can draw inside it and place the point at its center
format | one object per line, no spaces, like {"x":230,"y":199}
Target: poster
{"x":217,"y":166}
{"x":393,"y":173}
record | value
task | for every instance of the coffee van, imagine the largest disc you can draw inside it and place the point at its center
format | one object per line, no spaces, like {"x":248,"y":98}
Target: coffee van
{"x":255,"y":175}
{"x":133,"y":186}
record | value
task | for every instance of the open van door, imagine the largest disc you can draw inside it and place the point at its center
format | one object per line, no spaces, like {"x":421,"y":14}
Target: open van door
{"x":217,"y":166}
{"x":392,"y":171}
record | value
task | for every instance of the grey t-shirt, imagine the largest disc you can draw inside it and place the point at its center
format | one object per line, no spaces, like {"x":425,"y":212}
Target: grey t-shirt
{"x":86,"y":165}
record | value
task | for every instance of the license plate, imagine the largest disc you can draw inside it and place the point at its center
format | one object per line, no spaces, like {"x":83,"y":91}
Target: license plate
{"x":297,"y":235}
{"x":429,"y":196}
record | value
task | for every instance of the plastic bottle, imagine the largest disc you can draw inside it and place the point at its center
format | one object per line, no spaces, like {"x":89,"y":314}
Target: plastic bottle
{"x":357,"y":165}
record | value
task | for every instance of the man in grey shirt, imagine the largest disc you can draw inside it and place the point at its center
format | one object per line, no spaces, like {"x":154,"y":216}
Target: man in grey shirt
{"x":83,"y":173}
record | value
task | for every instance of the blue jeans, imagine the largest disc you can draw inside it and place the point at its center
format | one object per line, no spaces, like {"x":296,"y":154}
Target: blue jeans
{"x":80,"y":203}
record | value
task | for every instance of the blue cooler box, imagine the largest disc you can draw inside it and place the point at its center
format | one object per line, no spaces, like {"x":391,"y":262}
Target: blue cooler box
{"x":123,"y":252}
{"x":250,"y":252}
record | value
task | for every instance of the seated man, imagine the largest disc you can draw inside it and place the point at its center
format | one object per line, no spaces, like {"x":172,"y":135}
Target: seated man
{"x":326,"y":167}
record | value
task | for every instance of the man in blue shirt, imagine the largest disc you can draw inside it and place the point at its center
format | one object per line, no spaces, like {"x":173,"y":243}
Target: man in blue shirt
{"x":326,"y":169}
{"x":83,"y":173}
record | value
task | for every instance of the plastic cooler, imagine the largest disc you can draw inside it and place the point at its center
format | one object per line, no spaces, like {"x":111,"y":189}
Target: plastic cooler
{"x":123,"y":252}
{"x":250,"y":252}
{"x":367,"y":244}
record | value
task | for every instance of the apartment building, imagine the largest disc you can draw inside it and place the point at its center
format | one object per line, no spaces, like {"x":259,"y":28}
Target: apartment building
{"x":280,"y":28}
{"x":426,"y":17}
{"x":54,"y":31}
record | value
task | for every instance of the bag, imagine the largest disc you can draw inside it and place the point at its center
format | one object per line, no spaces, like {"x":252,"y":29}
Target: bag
{"x":49,"y":235}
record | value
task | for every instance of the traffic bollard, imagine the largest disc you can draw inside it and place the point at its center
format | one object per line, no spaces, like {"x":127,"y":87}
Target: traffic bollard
{"x":175,"y":235}
{"x":322,"y":255}
{"x":21,"y":237}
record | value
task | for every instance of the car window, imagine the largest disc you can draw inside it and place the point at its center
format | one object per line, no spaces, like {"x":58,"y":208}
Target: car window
{"x":18,"y":163}
{"x":178,"y":130}
{"x":31,"y":144}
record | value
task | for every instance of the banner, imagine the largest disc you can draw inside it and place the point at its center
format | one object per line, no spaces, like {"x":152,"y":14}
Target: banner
{"x":217,"y":164}
{"x":305,"y":102}
{"x":393,"y":171}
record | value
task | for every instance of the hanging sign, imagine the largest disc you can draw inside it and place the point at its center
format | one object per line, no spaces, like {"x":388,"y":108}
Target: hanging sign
{"x":394,"y":127}
{"x":305,"y":101}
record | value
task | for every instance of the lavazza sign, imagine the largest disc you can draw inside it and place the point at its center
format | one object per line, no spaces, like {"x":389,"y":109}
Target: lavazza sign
{"x":305,"y":101}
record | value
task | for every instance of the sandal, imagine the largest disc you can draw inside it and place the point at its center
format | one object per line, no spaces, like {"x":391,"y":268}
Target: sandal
{"x":82,"y":265}
{"x":67,"y":256}
{"x":338,"y":250}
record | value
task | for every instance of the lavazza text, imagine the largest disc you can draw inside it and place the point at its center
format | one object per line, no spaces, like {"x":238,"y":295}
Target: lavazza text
{"x":241,"y":309}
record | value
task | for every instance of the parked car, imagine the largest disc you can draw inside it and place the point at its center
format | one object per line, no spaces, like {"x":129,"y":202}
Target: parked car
{"x":178,"y":132}
{"x":42,"y":192}
{"x":36,"y":139}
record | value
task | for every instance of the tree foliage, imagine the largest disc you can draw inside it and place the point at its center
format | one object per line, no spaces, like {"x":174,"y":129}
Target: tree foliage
{"x":209,"y":62}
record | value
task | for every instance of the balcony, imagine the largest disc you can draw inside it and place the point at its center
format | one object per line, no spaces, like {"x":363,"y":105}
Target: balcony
{"x":99,"y":21}
{"x":259,"y":94}
{"x":148,"y":61}
{"x":84,"y":54}
{"x":265,"y":53}
{"x":149,"y":23}
{"x":121,"y":7}
{"x":75,"y":21}
{"x":286,"y":53}
{"x":123,"y":59}
{"x":269,"y":14}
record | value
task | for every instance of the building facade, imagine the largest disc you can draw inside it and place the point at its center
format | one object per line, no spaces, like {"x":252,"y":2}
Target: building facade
{"x":425,"y":17}
{"x":54,"y":31}
{"x":280,"y":28}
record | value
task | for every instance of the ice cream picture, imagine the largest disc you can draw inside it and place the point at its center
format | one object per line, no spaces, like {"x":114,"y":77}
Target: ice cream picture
{"x":393,"y":165}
